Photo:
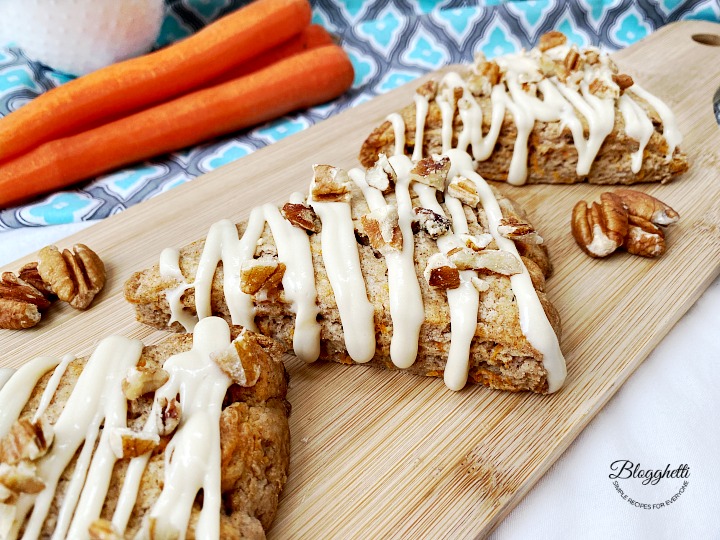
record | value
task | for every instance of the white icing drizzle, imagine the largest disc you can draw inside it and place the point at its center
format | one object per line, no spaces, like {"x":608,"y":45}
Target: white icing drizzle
{"x":99,"y":386}
{"x":342,"y":263}
{"x":16,"y":391}
{"x":52,"y":385}
{"x":671,"y":132}
{"x":5,"y":374}
{"x":399,"y":126}
{"x":406,"y":305}
{"x":170,"y":268}
{"x":638,"y":126}
{"x":192,"y":457}
{"x":560,"y":102}
{"x":421,"y":110}
{"x":222,"y":244}
{"x":293,"y":247}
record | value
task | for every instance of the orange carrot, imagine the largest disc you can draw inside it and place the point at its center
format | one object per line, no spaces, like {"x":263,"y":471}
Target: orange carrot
{"x":155,"y":77}
{"x":302,"y":80}
{"x":309,"y":38}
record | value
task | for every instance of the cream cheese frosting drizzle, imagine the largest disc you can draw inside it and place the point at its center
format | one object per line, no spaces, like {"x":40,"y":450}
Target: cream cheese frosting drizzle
{"x":518,"y":93}
{"x":52,"y":385}
{"x":98,"y":398}
{"x":342,"y":263}
{"x":293,"y":246}
{"x":5,"y":374}
{"x":170,"y":268}
{"x":16,"y":391}
{"x":406,"y":306}
{"x":192,"y":458}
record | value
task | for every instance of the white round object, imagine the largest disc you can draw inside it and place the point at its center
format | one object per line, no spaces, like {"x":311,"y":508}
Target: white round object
{"x":80,"y":36}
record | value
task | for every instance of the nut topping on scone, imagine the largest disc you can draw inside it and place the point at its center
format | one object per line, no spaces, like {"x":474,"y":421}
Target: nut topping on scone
{"x":301,"y":216}
{"x":381,"y":175}
{"x":463,"y":189}
{"x":382,"y":227}
{"x":433,"y":224}
{"x":516,"y":229}
{"x":432,"y":171}
{"x":330,"y":184}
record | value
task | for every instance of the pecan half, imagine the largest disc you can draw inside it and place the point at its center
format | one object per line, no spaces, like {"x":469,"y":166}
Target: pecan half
{"x":646,"y":207}
{"x":432,"y":171}
{"x":600,"y":229}
{"x":75,"y":277}
{"x":301,"y":216}
{"x":644,"y":238}
{"x":20,"y":303}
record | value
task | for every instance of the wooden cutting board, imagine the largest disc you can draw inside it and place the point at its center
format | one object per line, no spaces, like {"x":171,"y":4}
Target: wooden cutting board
{"x":379,"y":454}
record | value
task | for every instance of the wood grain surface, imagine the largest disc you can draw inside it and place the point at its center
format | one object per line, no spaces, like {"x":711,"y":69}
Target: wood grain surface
{"x":379,"y":454}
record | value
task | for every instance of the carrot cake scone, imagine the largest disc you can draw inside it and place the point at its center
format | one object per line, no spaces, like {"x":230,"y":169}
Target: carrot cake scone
{"x":416,"y":266}
{"x":555,"y":114}
{"x":187,"y":438}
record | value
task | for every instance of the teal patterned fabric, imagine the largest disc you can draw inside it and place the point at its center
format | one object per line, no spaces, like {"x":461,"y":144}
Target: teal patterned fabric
{"x":390,"y":43}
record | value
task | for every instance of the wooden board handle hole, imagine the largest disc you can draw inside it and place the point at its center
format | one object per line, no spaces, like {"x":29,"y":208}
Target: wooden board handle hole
{"x":707,"y":39}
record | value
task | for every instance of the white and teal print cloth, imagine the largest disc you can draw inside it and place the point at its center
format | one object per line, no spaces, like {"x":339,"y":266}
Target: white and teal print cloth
{"x":389,"y":42}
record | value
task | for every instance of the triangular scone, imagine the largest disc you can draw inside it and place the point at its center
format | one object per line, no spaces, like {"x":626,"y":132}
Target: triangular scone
{"x":554,"y":114}
{"x":121,"y":444}
{"x":374,"y":269}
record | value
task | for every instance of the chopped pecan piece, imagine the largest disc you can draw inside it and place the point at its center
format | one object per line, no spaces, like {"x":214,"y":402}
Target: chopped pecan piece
{"x":75,"y":277}
{"x":493,"y":260}
{"x":643,"y":238}
{"x":241,"y":361}
{"x":432,"y":223}
{"x":428,"y":89}
{"x":592,"y":57}
{"x":142,"y":379}
{"x":600,"y":229}
{"x":301,"y":216}
{"x":126,"y":443}
{"x":261,"y":274}
{"x":21,"y":478}
{"x":465,"y":190}
{"x":573,"y":61}
{"x":623,"y":81}
{"x":330,"y":184}
{"x":477,"y":242}
{"x":168,"y":415}
{"x":551,"y":39}
{"x":382,"y":227}
{"x":441,"y":274}
{"x":480,"y":284}
{"x":515,"y":229}
{"x":382,"y":175}
{"x":26,"y":440}
{"x":603,"y":90}
{"x":102,"y":529}
{"x":432,"y":171}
